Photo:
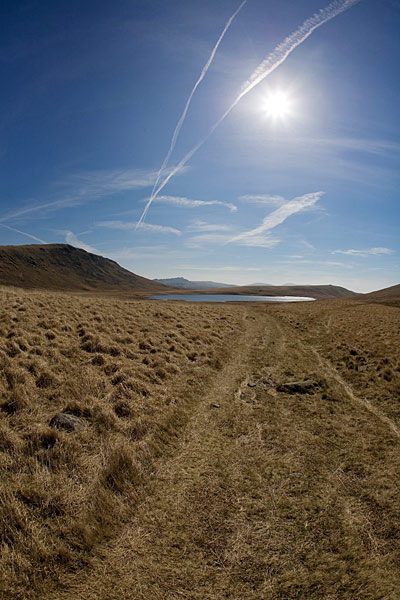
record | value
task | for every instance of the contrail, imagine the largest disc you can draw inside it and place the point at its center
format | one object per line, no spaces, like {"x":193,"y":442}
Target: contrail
{"x":265,"y":68}
{"x":185,"y":110}
{"x":33,"y":237}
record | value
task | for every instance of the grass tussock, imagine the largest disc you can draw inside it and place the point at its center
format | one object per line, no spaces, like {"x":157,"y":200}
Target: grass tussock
{"x":127,"y":372}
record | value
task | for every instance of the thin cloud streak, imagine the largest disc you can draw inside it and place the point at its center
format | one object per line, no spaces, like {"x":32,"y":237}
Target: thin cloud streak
{"x":265,"y":199}
{"x":256,"y":237}
{"x":185,"y":110}
{"x":101,"y":183}
{"x":64,"y":203}
{"x":314,"y":262}
{"x":365,"y":253}
{"x":379,"y":147}
{"x":189,"y":203}
{"x":128,"y":226}
{"x":89,"y":186}
{"x":29,"y":235}
{"x":265,"y":68}
{"x":258,"y":241}
{"x":205,"y":240}
{"x":203,"y":226}
{"x":72,"y":239}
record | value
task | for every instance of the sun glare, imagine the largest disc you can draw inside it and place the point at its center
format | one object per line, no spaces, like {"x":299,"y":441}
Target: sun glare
{"x":277,"y":105}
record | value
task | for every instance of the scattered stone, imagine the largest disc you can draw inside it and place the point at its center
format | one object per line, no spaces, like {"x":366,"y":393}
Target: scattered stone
{"x":214,"y":405}
{"x":252,"y":384}
{"x":247,"y":396}
{"x":298,"y":387}
{"x":67,"y":422}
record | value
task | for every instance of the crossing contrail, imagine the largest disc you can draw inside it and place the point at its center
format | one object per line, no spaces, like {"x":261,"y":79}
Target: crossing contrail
{"x":265,"y":68}
{"x":185,"y":110}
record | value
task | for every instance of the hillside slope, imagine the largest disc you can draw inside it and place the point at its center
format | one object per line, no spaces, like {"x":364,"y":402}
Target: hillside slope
{"x":63,"y":267}
{"x":390,"y":296}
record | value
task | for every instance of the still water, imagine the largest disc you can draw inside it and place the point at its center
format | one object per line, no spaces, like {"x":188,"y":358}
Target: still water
{"x":230,"y":298}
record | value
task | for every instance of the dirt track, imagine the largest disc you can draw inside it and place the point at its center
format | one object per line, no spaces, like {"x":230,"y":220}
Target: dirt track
{"x":269,"y":494}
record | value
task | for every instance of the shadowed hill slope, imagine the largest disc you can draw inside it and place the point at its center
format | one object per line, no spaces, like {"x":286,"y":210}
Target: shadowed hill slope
{"x":63,"y":267}
{"x":390,"y":296}
{"x":319,"y":292}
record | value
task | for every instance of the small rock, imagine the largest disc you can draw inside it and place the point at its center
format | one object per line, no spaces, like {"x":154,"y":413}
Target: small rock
{"x":214,"y":405}
{"x":252,"y":384}
{"x":298,"y":387}
{"x":67,"y":422}
{"x":247,"y":396}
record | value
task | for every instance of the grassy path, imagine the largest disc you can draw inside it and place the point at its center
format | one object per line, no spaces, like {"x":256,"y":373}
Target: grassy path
{"x":270,"y":495}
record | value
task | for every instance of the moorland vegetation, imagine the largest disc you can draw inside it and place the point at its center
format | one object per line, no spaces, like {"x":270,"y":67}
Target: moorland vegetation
{"x":173,"y":450}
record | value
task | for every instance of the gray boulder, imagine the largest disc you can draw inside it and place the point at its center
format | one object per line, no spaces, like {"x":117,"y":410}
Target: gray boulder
{"x":67,"y":422}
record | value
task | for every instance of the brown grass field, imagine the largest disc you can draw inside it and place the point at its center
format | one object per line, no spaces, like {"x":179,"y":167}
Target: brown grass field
{"x":194,"y":472}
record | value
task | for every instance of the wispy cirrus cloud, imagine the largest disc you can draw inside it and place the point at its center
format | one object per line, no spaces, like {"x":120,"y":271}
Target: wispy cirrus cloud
{"x":379,"y":147}
{"x":264,"y":199}
{"x":133,"y":225}
{"x":365,"y":253}
{"x":206,"y":240}
{"x":39,"y":208}
{"x":29,"y":235}
{"x":255,"y":240}
{"x":82,"y":188}
{"x":73,"y":240}
{"x":142,"y":252}
{"x":110,"y":181}
{"x":332,"y":263}
{"x":189,"y":203}
{"x":260,"y":236}
{"x":204,"y":226}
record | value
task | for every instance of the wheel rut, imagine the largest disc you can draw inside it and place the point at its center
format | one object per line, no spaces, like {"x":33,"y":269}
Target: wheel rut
{"x":330,"y":370}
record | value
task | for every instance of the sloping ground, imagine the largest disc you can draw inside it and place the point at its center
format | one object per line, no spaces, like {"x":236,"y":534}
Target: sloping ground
{"x":63,"y":267}
{"x":319,"y":292}
{"x":389,"y":296}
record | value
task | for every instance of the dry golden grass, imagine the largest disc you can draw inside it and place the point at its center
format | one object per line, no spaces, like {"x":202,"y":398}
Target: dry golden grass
{"x":130,"y":371}
{"x":195,"y":475}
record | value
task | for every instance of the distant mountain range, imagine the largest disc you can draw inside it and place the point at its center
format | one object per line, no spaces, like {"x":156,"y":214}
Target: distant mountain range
{"x":181,"y":282}
{"x":319,"y":292}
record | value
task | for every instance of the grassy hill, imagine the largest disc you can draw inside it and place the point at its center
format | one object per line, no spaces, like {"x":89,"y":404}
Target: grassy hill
{"x":390,"y":296}
{"x":63,"y":267}
{"x":319,"y":292}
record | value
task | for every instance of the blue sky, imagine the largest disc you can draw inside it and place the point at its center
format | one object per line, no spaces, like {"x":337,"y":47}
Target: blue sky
{"x":92,"y":92}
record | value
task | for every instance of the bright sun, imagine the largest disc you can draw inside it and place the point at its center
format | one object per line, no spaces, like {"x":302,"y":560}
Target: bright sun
{"x":277,"y":105}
